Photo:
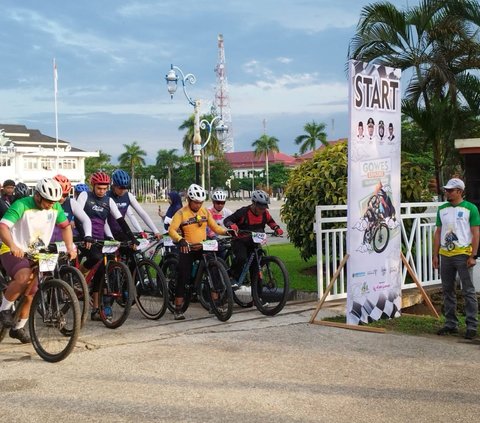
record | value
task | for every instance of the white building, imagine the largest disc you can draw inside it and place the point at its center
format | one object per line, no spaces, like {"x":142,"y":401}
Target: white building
{"x":26,"y":155}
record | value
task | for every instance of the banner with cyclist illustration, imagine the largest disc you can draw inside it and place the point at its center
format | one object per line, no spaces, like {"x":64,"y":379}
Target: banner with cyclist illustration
{"x":373,"y":234}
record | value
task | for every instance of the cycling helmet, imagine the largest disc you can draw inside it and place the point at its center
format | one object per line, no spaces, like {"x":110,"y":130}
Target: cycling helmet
{"x":219,"y":195}
{"x":120,"y":178}
{"x":64,"y":183}
{"x":196,"y":193}
{"x":49,"y":189}
{"x":99,"y":178}
{"x":260,"y":197}
{"x":81,"y":188}
{"x":21,"y":190}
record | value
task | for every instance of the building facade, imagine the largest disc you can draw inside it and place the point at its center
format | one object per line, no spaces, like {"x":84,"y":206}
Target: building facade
{"x":27,"y":155}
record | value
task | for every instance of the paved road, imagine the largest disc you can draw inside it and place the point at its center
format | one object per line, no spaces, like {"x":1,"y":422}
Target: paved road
{"x":250,"y":369}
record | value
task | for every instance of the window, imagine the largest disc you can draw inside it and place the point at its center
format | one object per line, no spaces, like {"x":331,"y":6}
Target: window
{"x":68,"y":164}
{"x":30,"y":163}
{"x":47,"y":163}
{"x":5,"y":161}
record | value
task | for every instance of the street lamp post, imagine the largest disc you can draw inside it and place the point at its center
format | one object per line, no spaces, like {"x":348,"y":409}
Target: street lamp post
{"x":172,"y":82}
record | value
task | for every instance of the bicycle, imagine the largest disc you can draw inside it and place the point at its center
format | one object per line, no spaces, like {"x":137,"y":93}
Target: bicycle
{"x":54,"y":318}
{"x":377,"y":233}
{"x":149,"y":280}
{"x":209,"y":279}
{"x":116,"y":289}
{"x":264,"y":279}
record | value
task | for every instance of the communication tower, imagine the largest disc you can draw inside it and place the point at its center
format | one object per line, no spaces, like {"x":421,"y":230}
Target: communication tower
{"x":222,"y":99}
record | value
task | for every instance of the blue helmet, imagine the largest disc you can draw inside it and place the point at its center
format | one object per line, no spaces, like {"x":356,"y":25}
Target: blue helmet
{"x":120,"y":178}
{"x":81,"y":188}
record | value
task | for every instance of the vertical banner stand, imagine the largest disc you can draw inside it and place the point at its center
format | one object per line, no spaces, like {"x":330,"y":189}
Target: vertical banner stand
{"x":335,"y":276}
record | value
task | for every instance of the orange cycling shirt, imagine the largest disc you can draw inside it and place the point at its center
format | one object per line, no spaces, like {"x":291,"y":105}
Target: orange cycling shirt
{"x":193,"y":226}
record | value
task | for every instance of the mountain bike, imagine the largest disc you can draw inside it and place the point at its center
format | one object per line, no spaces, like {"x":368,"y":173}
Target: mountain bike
{"x":116,"y":289}
{"x":209,"y":279}
{"x":54,"y":319}
{"x":148,"y":278}
{"x":264,"y":279}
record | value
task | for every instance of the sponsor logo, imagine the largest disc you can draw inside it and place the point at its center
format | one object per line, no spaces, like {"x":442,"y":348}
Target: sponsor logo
{"x":372,"y":272}
{"x":97,"y":208}
{"x":358,"y":274}
{"x":381,"y":286}
{"x":383,"y":270}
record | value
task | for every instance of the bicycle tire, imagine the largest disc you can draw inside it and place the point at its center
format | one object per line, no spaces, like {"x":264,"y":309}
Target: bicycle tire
{"x":169,"y":269}
{"x":116,"y":294}
{"x":270,"y":288}
{"x":49,"y":315}
{"x":151,"y":290}
{"x":381,"y":229}
{"x":223,"y":306}
{"x":76,"y":280}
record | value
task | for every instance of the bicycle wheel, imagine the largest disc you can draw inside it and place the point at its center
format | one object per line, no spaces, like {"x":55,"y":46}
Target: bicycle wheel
{"x":169,"y":269}
{"x":243,"y":295}
{"x":116,"y":294}
{"x":54,"y":320}
{"x":151,"y":289}
{"x":270,"y":287}
{"x":381,"y":236}
{"x":76,"y":280}
{"x":222,"y":301}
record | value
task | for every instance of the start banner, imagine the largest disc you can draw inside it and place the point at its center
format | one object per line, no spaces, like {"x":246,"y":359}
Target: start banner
{"x":374,"y":230}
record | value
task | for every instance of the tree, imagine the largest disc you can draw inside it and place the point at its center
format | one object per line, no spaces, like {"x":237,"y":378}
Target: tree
{"x":314,"y":132}
{"x":437,"y":41}
{"x":323,"y":180}
{"x":167,"y":159}
{"x":94,"y":164}
{"x":132,"y":157}
{"x":263,"y":146}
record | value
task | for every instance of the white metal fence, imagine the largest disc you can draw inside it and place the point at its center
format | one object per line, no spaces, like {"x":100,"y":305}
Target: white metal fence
{"x":149,"y":190}
{"x":418,"y":226}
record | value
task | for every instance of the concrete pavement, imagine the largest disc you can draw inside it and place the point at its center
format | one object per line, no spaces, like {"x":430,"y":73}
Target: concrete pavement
{"x":250,"y":369}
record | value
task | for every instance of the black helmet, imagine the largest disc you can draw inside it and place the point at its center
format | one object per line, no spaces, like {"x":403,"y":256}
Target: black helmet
{"x":260,"y":197}
{"x":21,"y":190}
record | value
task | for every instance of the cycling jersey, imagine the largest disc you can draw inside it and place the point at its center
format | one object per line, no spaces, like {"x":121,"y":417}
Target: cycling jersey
{"x":218,"y":216}
{"x":73,"y":211}
{"x":124,"y":202}
{"x":193,"y":226}
{"x":245,"y":219}
{"x":28,"y":223}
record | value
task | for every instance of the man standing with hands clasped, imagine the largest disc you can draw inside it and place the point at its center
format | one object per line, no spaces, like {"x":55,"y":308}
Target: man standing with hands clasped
{"x":456,"y":243}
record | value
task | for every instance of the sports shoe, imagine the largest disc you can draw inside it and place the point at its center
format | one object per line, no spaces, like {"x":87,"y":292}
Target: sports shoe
{"x":178,"y":315}
{"x":6,"y":318}
{"x":447,"y":331}
{"x":470,"y":334}
{"x":234,"y":284}
{"x":20,"y":334}
{"x":95,"y":315}
{"x":107,"y":312}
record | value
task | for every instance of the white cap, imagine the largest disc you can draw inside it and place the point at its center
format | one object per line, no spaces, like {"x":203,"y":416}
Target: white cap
{"x":455,"y":183}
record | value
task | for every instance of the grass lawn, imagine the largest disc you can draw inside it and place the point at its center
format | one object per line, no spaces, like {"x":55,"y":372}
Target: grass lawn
{"x":303,"y":274}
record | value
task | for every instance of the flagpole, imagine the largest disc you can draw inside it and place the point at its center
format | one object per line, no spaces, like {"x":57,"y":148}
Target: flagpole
{"x":55,"y":88}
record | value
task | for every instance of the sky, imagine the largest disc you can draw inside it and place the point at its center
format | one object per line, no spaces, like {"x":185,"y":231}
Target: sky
{"x":285,"y":66}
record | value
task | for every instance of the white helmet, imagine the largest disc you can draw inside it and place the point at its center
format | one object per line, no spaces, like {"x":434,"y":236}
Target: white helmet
{"x":196,"y":193}
{"x":219,"y":195}
{"x":49,"y":189}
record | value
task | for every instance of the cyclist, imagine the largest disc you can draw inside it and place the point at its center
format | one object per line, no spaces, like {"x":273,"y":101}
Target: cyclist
{"x":29,"y":220}
{"x":98,"y":206}
{"x":125,"y":200}
{"x":175,"y":205}
{"x":73,"y":211}
{"x":80,"y":188}
{"x":21,"y":190}
{"x":191,"y":221}
{"x":250,"y":218}
{"x":7,"y":191}
{"x":219,"y":213}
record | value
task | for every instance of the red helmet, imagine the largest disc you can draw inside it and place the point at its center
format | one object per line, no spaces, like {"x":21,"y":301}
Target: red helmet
{"x":99,"y":178}
{"x":64,"y":183}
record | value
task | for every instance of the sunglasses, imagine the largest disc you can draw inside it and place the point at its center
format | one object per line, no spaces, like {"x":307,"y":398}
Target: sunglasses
{"x":449,"y":189}
{"x":219,"y":202}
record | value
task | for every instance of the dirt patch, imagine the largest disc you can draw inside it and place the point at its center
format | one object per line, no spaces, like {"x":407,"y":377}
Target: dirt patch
{"x":309,"y":271}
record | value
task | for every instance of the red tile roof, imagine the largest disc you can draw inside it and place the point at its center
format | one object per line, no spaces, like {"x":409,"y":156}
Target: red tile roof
{"x":245,"y":159}
{"x":310,"y":154}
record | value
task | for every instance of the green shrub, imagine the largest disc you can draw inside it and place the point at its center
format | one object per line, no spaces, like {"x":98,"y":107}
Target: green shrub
{"x":323,"y":180}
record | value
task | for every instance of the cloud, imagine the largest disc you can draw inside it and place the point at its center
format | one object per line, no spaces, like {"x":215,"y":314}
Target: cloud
{"x":284,"y":60}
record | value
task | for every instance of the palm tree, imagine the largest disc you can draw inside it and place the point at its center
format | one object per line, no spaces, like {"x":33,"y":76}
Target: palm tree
{"x":264,"y":145}
{"x":437,"y":41}
{"x":314,"y":132}
{"x":168,"y":159}
{"x":131,"y":158}
{"x":214,"y":146}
